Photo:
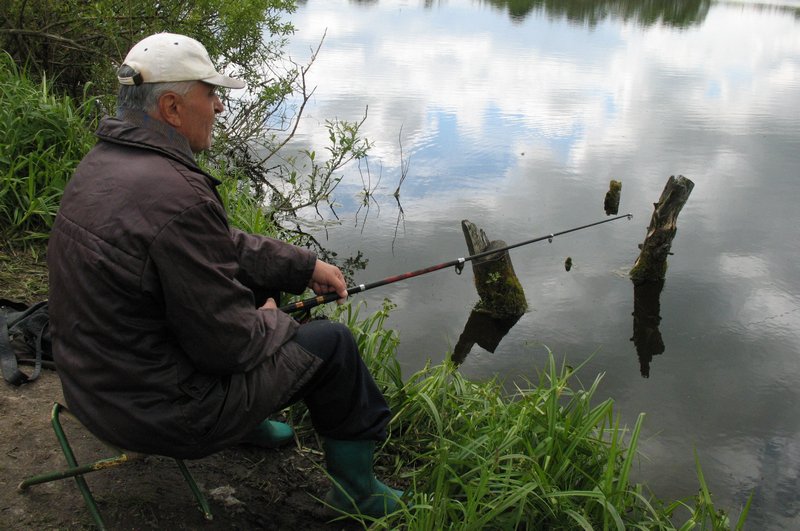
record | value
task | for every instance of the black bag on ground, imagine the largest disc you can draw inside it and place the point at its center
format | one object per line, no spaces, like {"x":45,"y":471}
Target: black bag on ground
{"x":24,"y":340}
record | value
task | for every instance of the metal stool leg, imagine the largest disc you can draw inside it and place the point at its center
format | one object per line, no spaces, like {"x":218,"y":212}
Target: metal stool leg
{"x":77,"y":471}
{"x":201,"y":500}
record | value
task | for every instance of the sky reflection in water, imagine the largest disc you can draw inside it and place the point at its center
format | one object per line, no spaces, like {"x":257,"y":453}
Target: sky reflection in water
{"x":518,"y":124}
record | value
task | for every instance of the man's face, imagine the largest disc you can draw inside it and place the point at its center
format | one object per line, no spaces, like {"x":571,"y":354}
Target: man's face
{"x":197,"y":111}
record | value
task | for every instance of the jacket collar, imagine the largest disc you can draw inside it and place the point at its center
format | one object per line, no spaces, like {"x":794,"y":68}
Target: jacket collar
{"x":138,"y":129}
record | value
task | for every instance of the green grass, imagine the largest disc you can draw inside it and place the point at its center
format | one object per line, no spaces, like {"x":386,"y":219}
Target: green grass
{"x":549,"y":456}
{"x":244,"y":211}
{"x":43,"y":138}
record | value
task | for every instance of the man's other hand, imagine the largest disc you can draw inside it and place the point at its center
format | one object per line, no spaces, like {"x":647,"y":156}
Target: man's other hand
{"x":269,"y":305}
{"x":328,"y":278}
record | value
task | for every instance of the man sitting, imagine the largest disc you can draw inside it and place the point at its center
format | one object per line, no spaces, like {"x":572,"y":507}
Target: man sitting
{"x":159,"y":336}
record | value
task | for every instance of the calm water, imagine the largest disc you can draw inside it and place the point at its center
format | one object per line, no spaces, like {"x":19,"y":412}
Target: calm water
{"x":517,"y":121}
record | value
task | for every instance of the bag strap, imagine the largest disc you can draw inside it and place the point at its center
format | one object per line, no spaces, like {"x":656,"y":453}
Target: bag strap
{"x":39,"y":361}
{"x":26,"y":313}
{"x":8,"y":360}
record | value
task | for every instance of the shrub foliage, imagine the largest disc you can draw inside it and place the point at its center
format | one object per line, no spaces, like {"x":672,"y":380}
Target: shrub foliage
{"x":44,"y":137}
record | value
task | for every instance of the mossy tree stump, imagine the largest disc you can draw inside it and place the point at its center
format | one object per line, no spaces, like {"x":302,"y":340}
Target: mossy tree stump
{"x":611,"y":201}
{"x":498,"y":286}
{"x":651,"y":265}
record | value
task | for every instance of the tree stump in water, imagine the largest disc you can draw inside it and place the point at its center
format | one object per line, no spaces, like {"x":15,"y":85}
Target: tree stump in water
{"x":611,"y":201}
{"x":651,"y":266}
{"x":498,"y":286}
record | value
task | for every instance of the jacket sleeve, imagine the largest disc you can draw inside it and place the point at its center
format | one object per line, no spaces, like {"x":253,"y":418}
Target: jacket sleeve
{"x":267,"y":263}
{"x":212,"y":314}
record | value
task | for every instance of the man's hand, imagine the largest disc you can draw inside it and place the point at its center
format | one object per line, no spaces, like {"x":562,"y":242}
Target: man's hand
{"x":328,"y":278}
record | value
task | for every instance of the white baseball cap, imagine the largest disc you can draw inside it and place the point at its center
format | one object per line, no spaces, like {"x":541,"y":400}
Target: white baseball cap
{"x":169,"y":57}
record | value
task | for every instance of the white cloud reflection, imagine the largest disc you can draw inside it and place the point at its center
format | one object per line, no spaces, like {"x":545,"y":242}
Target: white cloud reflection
{"x":724,"y":72}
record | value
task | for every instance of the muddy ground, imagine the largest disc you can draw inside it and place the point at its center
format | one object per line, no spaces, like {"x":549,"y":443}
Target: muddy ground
{"x":248,"y":488}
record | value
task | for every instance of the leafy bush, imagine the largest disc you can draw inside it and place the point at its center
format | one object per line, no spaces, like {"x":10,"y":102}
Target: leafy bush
{"x":44,"y":136}
{"x":74,"y":41}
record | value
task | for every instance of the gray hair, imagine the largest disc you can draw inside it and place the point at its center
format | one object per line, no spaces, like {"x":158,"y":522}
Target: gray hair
{"x":144,"y":97}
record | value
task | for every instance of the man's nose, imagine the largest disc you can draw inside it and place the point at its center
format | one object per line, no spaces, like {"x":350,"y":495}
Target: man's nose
{"x":218,"y":106}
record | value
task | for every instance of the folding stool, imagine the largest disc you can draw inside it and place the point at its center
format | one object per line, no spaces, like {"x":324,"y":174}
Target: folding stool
{"x":77,"y":471}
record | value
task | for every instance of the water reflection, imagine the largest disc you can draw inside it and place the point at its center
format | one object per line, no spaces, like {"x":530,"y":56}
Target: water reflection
{"x":646,"y":318}
{"x":678,"y":13}
{"x":483,"y":329}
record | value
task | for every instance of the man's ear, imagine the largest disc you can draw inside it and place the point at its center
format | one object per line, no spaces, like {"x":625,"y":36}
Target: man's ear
{"x":169,"y":108}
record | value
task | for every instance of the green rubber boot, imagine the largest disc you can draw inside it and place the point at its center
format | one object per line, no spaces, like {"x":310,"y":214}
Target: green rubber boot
{"x":355,"y":487}
{"x":270,"y":434}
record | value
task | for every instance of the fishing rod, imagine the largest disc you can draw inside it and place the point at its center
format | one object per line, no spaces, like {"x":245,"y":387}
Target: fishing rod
{"x":458,"y":263}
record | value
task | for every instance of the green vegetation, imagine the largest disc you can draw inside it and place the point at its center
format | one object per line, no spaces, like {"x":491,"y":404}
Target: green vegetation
{"x":78,"y":46}
{"x":74,"y":41}
{"x":470,"y":456}
{"x":44,"y":137}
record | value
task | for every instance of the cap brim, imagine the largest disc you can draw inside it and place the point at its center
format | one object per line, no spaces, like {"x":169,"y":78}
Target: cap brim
{"x":225,"y":81}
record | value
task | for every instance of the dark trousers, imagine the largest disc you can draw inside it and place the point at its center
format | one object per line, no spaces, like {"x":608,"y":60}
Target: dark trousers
{"x":342,"y":397}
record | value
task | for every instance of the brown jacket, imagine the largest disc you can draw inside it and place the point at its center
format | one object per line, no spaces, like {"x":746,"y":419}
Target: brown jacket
{"x":157,"y":338}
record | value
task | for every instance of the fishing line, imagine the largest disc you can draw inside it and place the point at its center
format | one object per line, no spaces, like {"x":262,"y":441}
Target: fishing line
{"x":458,"y":263}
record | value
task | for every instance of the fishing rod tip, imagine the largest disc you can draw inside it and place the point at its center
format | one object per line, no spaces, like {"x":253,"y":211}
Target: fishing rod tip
{"x":629,"y":216}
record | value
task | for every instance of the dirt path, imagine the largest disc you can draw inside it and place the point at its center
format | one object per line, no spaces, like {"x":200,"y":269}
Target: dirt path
{"x":258,"y":489}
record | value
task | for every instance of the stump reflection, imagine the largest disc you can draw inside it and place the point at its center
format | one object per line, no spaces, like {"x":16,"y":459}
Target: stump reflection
{"x":646,"y":318}
{"x":483,"y":329}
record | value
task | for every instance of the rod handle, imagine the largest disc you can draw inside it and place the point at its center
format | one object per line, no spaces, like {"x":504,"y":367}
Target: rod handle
{"x":311,"y":302}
